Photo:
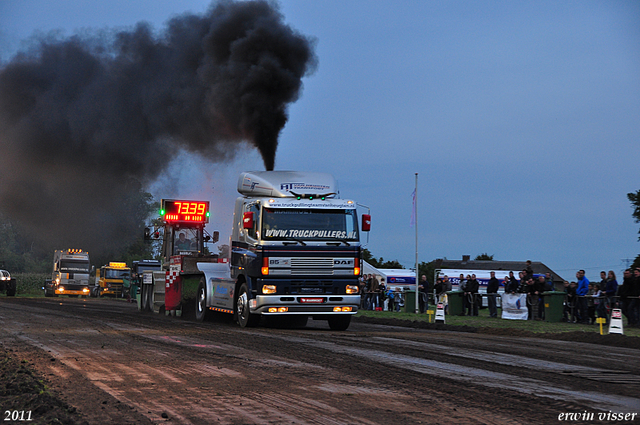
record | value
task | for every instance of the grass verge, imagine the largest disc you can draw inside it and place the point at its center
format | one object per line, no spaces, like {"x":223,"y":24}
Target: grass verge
{"x":484,"y":321}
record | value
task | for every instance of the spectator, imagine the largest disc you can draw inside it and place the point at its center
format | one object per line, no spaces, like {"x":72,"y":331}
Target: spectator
{"x":423,"y":288}
{"x":382,"y":295}
{"x":549,"y":280}
{"x":374,"y":287}
{"x":438,"y":288}
{"x":572,"y":303}
{"x":362,"y":284}
{"x":399,"y":299}
{"x":566,"y":309}
{"x":592,"y":302}
{"x":610,"y":290}
{"x":463,"y":283}
{"x":623,"y":290}
{"x":542,"y":286}
{"x":528,"y":271}
{"x":603,"y":281}
{"x":492,"y":294}
{"x":441,"y":293}
{"x":513,"y":284}
{"x":531,"y":289}
{"x":581,"y":292}
{"x":391,"y":297}
{"x":446,"y":285}
{"x":470,"y":296}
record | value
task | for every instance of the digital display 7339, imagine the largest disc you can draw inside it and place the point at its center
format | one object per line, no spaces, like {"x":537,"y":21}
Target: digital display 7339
{"x":181,"y":211}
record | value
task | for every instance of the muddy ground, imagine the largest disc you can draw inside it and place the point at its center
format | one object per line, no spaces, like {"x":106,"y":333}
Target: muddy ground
{"x":102,"y":362}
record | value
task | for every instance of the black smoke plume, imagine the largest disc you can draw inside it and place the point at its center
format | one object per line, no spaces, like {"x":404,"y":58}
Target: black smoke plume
{"x":86,"y":120}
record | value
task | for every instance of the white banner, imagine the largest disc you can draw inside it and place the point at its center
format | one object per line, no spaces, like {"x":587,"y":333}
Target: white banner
{"x":514,"y":306}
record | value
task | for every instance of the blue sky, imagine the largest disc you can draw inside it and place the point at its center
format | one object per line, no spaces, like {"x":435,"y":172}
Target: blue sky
{"x":522,"y":120}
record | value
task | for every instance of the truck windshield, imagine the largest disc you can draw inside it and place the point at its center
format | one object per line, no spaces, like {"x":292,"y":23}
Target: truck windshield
{"x":282,"y":224}
{"x":115,"y":274}
{"x":74,"y":266}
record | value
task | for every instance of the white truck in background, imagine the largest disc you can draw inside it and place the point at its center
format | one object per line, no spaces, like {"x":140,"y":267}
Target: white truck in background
{"x":70,"y":276}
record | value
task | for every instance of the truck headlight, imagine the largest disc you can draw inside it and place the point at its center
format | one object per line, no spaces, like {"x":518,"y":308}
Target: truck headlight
{"x":269,"y":289}
{"x":352,"y":289}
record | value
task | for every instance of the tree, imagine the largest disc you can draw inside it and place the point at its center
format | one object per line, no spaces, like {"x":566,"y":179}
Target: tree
{"x":484,"y":257}
{"x":27,"y":250}
{"x":634,"y":198}
{"x":427,"y":269}
{"x":380,"y":263}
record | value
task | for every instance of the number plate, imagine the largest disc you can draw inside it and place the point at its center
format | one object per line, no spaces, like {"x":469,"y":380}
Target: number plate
{"x":312,"y":300}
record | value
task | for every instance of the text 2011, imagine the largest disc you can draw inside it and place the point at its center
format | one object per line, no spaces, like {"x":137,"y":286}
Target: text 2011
{"x":17,"y":415}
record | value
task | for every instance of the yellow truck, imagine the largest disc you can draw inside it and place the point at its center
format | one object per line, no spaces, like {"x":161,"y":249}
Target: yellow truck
{"x":109,"y":279}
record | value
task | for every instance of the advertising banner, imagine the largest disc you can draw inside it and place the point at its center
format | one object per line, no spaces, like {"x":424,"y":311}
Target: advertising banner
{"x":514,"y":306}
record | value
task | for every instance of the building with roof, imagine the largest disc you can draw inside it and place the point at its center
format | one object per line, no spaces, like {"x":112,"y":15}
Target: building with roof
{"x":498,"y":266}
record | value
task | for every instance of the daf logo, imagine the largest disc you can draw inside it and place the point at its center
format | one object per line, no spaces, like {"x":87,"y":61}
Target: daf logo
{"x":342,"y":262}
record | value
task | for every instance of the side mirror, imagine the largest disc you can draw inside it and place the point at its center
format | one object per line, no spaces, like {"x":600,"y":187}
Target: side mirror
{"x":216,"y":236}
{"x":247,"y":220}
{"x":366,"y":222}
{"x":147,"y":233}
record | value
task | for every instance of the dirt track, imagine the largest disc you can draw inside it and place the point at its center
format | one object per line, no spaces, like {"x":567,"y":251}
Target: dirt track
{"x":112,"y":364}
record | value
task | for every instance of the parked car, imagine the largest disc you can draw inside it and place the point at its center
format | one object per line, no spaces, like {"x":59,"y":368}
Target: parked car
{"x":7,"y":283}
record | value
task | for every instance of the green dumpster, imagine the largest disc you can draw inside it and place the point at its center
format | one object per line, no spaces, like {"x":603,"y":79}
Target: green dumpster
{"x":410,"y":301}
{"x":456,"y":304}
{"x":553,"y":306}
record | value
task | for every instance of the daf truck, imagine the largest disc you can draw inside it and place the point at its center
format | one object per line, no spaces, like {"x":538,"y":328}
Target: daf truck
{"x":294,"y":252}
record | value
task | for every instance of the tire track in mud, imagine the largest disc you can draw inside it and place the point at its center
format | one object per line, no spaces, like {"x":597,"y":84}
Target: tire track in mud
{"x":216,"y":372}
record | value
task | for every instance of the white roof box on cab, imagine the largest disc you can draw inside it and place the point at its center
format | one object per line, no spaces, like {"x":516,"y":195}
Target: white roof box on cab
{"x":287,"y":184}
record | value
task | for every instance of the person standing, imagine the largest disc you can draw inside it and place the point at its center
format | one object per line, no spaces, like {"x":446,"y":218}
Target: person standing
{"x":581,"y":292}
{"x":374,"y":287}
{"x":391,"y":297}
{"x":462,"y":284}
{"x":610,"y":291}
{"x":603,"y":281}
{"x":531,"y":289}
{"x":542,"y":287}
{"x":470,"y":295}
{"x":528,"y":271}
{"x":492,"y":294}
{"x":513,"y":284}
{"x":623,"y":290}
{"x":423,"y":288}
{"x":549,"y":282}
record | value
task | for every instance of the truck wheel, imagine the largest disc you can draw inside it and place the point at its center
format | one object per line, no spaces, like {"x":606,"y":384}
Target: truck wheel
{"x":11,"y":288}
{"x":243,"y":315}
{"x":150,"y":301}
{"x":144,"y":301}
{"x":142,"y":293}
{"x":339,"y":323}
{"x":202,"y":311}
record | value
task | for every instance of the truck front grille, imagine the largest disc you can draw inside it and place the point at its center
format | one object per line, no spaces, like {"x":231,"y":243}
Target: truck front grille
{"x":311,"y":263}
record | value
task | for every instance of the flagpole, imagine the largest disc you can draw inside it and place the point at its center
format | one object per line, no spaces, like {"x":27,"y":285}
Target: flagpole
{"x":416,"y":223}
